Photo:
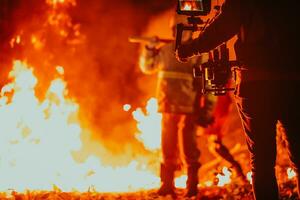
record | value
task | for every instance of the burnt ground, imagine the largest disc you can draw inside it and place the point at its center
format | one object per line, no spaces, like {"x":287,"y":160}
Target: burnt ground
{"x":229,"y":192}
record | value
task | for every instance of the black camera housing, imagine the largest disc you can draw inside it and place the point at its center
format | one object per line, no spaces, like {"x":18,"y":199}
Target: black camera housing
{"x":194,"y":7}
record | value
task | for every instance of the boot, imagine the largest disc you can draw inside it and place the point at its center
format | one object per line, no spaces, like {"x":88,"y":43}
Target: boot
{"x":192,"y":181}
{"x":167,"y":179}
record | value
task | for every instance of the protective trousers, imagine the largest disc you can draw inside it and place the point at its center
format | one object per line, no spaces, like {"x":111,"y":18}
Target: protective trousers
{"x":261,"y":104}
{"x":178,"y":134}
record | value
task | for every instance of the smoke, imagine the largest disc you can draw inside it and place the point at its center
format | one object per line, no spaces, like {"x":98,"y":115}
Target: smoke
{"x":110,"y":76}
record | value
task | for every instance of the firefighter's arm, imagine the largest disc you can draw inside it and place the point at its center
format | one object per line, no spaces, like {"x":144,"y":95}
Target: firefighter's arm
{"x":224,"y":27}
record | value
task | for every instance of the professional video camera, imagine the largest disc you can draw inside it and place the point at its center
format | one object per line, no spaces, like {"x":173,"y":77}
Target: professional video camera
{"x":214,"y":74}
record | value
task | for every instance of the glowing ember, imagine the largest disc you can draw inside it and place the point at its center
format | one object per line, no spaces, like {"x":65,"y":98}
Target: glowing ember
{"x":15,"y":40}
{"x":38,"y":138}
{"x":291,"y":173}
{"x":126,"y":107}
{"x":249,"y":177}
{"x":208,"y":183}
{"x":149,"y":125}
{"x":224,"y":177}
{"x":60,"y":70}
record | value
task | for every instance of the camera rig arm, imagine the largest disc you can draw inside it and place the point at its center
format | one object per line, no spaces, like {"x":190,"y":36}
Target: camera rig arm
{"x":193,"y":25}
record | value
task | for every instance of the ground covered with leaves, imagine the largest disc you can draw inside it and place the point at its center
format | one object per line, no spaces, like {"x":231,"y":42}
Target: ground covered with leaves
{"x":231,"y":191}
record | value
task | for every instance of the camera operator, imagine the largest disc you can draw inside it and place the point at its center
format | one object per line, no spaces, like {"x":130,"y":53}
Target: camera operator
{"x":268,"y":81}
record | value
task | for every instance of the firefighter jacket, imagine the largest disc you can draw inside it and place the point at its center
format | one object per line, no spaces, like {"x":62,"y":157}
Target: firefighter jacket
{"x":175,"y":86}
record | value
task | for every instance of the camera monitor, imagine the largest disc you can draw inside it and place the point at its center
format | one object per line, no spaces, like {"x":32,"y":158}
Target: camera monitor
{"x":194,"y":7}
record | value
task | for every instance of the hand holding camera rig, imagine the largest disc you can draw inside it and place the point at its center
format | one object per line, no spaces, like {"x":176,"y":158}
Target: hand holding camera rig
{"x":214,"y":74}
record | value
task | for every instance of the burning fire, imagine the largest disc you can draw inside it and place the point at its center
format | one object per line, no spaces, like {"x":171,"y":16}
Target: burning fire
{"x":224,"y":177}
{"x":149,"y":125}
{"x":15,"y":40}
{"x":291,"y":173}
{"x":249,"y":177}
{"x":126,"y":107}
{"x":38,"y":138}
{"x":180,"y":182}
{"x":41,"y":137}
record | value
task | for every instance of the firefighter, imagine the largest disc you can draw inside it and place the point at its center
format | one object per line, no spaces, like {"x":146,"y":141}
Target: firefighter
{"x":268,"y":81}
{"x":177,"y":99}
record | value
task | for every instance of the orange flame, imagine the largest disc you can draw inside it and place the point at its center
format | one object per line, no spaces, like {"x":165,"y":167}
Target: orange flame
{"x":180,"y":182}
{"x":149,"y":125}
{"x":126,"y":107}
{"x":249,"y":177}
{"x":208,"y":183}
{"x":38,"y":138}
{"x":224,"y":177}
{"x":291,"y":173}
{"x":15,"y":41}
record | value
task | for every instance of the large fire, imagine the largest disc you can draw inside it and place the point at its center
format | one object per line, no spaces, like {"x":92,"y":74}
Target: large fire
{"x":41,"y":135}
{"x":38,"y":138}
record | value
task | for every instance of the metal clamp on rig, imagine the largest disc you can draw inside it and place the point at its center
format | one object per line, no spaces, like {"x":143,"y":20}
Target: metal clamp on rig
{"x":191,"y":8}
{"x":216,"y":72}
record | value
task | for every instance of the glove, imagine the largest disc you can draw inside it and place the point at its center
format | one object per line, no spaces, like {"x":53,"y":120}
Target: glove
{"x":154,"y":41}
{"x":185,"y":51}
